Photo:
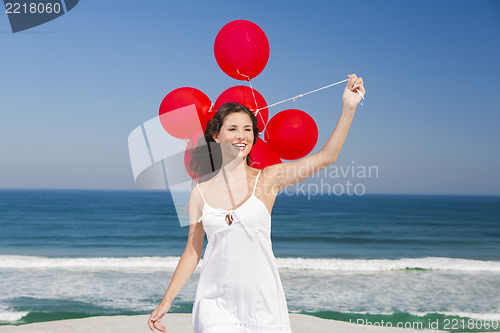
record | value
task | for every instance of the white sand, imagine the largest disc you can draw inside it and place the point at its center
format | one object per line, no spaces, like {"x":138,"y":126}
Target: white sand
{"x":181,"y":323}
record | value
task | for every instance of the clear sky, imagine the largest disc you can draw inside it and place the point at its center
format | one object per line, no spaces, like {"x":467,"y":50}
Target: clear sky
{"x":74,"y":88}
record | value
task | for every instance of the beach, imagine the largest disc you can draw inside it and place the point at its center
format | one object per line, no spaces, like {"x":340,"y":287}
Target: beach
{"x":181,"y":322}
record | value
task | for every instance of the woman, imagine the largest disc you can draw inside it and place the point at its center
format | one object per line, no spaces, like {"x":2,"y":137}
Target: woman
{"x":239,"y":289}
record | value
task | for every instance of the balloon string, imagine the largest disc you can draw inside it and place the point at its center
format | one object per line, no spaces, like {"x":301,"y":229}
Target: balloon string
{"x":302,"y":95}
{"x":292,"y":98}
{"x":246,"y":76}
{"x":257,"y":113}
{"x":254,"y":99}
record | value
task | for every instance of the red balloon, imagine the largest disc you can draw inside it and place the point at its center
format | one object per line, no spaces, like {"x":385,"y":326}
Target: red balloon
{"x":244,"y":96}
{"x":292,"y":134}
{"x":262,"y":155}
{"x":185,"y":124}
{"x":241,"y":49}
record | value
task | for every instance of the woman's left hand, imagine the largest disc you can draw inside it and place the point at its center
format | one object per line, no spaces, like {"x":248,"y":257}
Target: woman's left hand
{"x":351,"y":95}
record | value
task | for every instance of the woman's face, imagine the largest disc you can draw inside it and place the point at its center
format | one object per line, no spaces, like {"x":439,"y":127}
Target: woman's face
{"x":236,"y":134}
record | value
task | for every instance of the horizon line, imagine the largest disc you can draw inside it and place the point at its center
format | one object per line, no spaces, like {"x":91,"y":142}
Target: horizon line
{"x":294,"y":194}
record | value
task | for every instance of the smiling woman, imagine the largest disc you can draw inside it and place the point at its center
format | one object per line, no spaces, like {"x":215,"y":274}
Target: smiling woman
{"x":240,"y":128}
{"x":240,"y":289}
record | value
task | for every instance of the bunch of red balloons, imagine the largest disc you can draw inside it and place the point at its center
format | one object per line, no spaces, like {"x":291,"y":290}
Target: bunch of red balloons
{"x":242,"y":51}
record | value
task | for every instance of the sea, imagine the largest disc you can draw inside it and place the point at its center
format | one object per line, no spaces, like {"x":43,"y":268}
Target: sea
{"x":420,"y":261}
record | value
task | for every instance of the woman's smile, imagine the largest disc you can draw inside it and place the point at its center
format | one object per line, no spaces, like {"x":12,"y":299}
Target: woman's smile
{"x":240,"y":146}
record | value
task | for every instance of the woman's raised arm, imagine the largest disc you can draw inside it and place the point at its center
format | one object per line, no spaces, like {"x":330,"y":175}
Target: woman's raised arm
{"x":286,"y":174}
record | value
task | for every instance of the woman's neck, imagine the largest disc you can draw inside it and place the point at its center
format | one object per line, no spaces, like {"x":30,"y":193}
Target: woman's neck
{"x":235,"y":169}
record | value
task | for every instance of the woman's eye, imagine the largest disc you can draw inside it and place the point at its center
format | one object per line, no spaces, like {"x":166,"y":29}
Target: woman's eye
{"x":248,"y":129}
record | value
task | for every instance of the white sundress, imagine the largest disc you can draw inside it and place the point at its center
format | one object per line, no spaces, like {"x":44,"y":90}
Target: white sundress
{"x":239,"y":289}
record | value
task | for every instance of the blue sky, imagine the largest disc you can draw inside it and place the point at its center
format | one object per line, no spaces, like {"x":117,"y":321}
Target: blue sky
{"x":74,"y":88}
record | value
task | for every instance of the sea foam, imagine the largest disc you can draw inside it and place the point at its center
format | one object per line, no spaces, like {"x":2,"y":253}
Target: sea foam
{"x":170,"y":263}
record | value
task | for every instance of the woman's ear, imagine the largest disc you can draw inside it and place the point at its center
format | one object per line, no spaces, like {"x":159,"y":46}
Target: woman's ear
{"x":216,"y":137}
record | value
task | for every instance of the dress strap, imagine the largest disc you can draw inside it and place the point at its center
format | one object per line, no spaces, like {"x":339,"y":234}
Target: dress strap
{"x":201,"y":193}
{"x":256,"y":179}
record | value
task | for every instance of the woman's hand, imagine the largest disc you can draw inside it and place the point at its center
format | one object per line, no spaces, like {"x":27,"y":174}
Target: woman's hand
{"x":155,"y":318}
{"x":351,"y":96}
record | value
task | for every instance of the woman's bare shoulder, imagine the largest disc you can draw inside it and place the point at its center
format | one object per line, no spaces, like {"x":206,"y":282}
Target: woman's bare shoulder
{"x":205,"y":184}
{"x":254,"y":170}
